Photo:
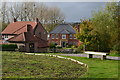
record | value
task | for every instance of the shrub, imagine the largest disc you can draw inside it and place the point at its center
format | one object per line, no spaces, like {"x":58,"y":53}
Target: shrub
{"x":52,"y":45}
{"x":114,"y":52}
{"x":69,"y":46}
{"x":116,"y":47}
{"x":8,"y":47}
{"x":79,"y":49}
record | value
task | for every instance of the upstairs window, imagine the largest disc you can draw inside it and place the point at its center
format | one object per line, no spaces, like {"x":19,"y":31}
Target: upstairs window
{"x":5,"y":36}
{"x":56,"y":36}
{"x":53,"y":36}
{"x":70,"y":36}
{"x":75,"y":37}
{"x":63,"y":36}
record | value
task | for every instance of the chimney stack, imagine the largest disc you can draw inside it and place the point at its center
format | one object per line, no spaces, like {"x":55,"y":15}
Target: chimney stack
{"x":15,"y":20}
{"x":28,"y":27}
{"x":36,"y":20}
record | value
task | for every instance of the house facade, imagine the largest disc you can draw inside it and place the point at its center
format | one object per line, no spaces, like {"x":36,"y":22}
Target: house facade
{"x":63,"y":35}
{"x":30,"y":36}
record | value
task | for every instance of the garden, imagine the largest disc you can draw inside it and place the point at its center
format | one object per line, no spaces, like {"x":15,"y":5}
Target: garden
{"x":37,"y":66}
{"x":20,"y":65}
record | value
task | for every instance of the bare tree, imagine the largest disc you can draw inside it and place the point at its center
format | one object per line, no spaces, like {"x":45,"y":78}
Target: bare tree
{"x":55,"y":15}
{"x":3,"y":11}
{"x":28,"y":11}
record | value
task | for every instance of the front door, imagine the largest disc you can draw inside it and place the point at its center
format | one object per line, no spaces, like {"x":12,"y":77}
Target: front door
{"x":63,"y":44}
{"x":31,"y":47}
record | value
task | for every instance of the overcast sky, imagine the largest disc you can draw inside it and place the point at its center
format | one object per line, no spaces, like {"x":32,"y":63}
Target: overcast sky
{"x":74,"y":11}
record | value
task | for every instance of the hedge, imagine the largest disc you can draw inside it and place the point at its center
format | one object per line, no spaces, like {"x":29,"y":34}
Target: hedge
{"x":8,"y":47}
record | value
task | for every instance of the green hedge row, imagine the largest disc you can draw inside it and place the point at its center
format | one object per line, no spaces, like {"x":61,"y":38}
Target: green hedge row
{"x":8,"y":47}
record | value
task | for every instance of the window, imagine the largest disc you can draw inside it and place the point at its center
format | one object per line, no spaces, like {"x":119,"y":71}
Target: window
{"x":53,"y":36}
{"x":75,"y":37}
{"x":4,"y":41}
{"x":6,"y":36}
{"x":70,"y":36}
{"x":56,"y":36}
{"x":63,"y":36}
{"x":44,"y":32}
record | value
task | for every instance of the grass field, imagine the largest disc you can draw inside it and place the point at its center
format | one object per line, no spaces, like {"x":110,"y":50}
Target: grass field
{"x":20,"y":65}
{"x":14,"y":65}
{"x":99,"y":68}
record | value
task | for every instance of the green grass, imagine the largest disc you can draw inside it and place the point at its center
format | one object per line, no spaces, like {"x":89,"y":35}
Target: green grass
{"x":20,"y":65}
{"x":99,"y":68}
{"x":116,"y":55}
{"x":14,"y":65}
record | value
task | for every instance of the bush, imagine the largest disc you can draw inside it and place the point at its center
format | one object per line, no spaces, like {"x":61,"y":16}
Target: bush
{"x":69,"y":46}
{"x":115,"y":52}
{"x":8,"y":47}
{"x":79,"y":49}
{"x":116,"y":47}
{"x":52,"y":45}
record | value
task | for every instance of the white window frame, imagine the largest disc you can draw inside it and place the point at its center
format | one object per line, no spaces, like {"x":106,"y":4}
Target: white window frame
{"x":63,"y":36}
{"x":70,"y":37}
{"x":53,"y":36}
{"x":5,"y":37}
{"x":74,"y":37}
{"x":57,"y":36}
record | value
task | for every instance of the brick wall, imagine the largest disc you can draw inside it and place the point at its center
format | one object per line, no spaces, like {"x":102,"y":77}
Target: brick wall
{"x":59,"y":39}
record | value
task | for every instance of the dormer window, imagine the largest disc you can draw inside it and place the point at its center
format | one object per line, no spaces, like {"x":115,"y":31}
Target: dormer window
{"x":75,"y":37}
{"x":63,"y":36}
{"x":70,"y":36}
{"x":53,"y":36}
{"x":56,"y":36}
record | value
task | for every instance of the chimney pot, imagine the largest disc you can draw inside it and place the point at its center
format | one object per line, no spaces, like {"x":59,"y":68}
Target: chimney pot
{"x":36,"y":20}
{"x":28,"y":27}
{"x":15,"y":20}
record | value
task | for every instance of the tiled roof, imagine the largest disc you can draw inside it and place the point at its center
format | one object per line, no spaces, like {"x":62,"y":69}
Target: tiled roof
{"x":64,"y":32}
{"x":28,"y":37}
{"x":18,"y":38}
{"x":63,"y":29}
{"x":23,"y":37}
{"x":18,"y":27}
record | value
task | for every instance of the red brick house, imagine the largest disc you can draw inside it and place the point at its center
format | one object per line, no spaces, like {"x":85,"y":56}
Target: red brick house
{"x":63,"y":35}
{"x":30,"y":36}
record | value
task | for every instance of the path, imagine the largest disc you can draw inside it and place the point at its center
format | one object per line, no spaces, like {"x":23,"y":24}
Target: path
{"x":94,"y":56}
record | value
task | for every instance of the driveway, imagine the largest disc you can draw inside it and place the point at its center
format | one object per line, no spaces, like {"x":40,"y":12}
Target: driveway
{"x":94,"y":56}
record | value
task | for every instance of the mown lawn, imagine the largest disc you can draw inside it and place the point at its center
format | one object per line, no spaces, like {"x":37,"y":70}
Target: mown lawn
{"x":20,"y":65}
{"x":115,"y":55}
{"x":99,"y":68}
